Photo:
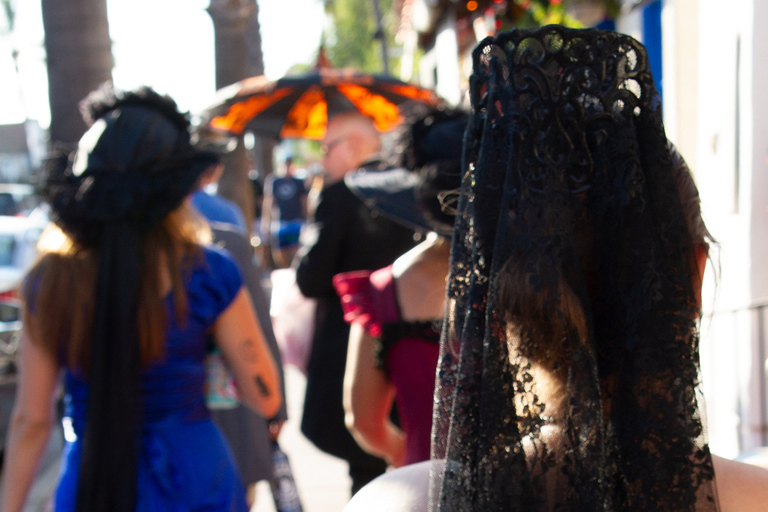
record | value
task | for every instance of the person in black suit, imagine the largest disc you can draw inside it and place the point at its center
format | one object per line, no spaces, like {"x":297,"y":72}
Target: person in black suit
{"x":343,"y":235}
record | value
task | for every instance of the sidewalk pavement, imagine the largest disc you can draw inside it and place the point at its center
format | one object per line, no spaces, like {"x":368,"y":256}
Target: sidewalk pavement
{"x":322,"y":480}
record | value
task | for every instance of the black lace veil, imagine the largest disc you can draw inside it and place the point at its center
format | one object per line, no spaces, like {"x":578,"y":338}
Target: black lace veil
{"x":569,"y":366}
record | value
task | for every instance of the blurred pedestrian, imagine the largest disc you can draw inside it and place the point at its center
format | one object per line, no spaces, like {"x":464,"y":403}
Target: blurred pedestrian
{"x":121,"y":300}
{"x":284,"y":212}
{"x":214,"y":207}
{"x":342,"y":235}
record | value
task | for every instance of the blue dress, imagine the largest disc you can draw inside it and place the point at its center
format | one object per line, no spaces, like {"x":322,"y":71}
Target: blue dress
{"x":185,"y":464}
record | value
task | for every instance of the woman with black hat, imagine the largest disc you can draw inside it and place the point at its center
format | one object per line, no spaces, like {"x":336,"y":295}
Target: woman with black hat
{"x":396,"y":312}
{"x":122,"y":299}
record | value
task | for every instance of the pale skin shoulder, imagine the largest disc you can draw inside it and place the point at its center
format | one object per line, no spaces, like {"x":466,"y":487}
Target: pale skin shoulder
{"x":420,"y":279}
{"x":401,"y":490}
{"x":740,"y":487}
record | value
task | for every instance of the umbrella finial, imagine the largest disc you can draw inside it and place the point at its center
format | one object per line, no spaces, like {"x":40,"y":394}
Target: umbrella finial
{"x":322,"y":59}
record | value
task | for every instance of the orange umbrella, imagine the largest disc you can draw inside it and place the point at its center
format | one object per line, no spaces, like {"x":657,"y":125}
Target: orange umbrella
{"x":298,"y":106}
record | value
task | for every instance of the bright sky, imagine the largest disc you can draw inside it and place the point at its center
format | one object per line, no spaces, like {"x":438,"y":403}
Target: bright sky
{"x":170,"y":50}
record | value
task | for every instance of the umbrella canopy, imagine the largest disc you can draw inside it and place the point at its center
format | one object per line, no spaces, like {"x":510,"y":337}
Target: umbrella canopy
{"x":299,"y":106}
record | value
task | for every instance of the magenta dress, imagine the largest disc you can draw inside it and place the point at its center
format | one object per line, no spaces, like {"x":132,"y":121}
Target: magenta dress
{"x":406,"y":351}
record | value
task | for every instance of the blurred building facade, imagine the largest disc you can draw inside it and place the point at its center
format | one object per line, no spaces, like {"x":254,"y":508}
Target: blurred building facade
{"x":706,"y":57}
{"x":716,"y":115}
{"x":22,"y":147}
{"x":442,"y":34}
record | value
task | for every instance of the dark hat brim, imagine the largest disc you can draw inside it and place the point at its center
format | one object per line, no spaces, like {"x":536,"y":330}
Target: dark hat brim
{"x":391,"y":193}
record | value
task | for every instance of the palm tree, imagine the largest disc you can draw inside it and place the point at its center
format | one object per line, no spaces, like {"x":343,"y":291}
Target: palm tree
{"x":238,"y":56}
{"x":356,"y":25}
{"x":9,"y":14}
{"x":79,"y":60}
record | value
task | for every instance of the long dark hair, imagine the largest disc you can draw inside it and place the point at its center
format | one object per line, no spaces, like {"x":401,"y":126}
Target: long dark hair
{"x":112,"y":198}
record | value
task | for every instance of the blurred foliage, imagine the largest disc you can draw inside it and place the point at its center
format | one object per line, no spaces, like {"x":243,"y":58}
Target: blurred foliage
{"x":9,"y":16}
{"x":537,"y":13}
{"x":305,"y":152}
{"x":351,"y":37}
{"x":612,"y":7}
{"x":299,"y":68}
{"x":351,"y":41}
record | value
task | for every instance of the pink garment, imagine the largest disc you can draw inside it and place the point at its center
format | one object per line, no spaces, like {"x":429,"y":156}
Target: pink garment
{"x":369,"y":299}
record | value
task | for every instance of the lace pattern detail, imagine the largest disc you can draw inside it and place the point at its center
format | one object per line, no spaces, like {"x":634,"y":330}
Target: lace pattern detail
{"x":569,"y":364}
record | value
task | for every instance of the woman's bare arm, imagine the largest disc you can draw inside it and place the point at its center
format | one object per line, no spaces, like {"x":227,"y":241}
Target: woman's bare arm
{"x":241,"y":340}
{"x":368,"y":399}
{"x":31,"y":421}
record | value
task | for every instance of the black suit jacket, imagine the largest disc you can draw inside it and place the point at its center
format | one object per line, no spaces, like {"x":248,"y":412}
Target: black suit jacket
{"x":344,"y":235}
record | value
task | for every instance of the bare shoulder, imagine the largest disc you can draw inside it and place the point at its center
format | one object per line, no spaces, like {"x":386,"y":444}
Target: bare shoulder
{"x":740,"y":487}
{"x":420,"y":277}
{"x":405,"y":489}
{"x":407,"y":262}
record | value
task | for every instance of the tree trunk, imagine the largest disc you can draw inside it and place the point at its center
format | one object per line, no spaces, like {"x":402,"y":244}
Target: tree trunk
{"x":264,"y":146}
{"x":238,"y":56}
{"x":79,"y":60}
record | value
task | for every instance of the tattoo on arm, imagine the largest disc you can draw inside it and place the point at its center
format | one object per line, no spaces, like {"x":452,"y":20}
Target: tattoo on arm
{"x":263,"y":389}
{"x":248,"y":348}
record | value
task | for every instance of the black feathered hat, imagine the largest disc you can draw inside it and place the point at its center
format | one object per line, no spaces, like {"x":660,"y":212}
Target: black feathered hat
{"x":134,"y":164}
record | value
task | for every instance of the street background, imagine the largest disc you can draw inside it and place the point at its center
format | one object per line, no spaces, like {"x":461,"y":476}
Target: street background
{"x":322,"y":480}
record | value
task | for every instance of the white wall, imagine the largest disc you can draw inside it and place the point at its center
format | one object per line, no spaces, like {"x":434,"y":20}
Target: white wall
{"x":730,"y":171}
{"x":631,"y":24}
{"x":680,"y":60}
{"x":755,"y":157}
{"x":439,"y":68}
{"x":446,"y":50}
